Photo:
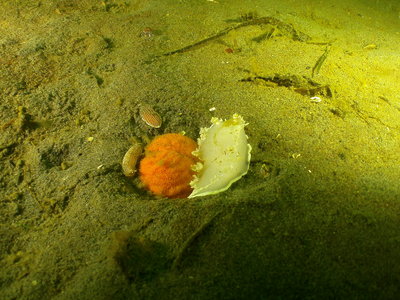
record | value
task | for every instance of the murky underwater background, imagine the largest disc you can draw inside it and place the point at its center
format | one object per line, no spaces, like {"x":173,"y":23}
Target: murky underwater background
{"x":317,"y":215}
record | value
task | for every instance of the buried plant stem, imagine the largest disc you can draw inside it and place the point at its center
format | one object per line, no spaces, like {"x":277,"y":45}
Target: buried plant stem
{"x":295,"y":35}
{"x":195,"y":235}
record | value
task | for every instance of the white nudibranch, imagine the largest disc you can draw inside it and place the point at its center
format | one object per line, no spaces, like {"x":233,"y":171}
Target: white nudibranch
{"x":225,"y":156}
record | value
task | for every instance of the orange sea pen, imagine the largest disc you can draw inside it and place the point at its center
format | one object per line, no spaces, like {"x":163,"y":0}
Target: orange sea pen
{"x":166,"y":168}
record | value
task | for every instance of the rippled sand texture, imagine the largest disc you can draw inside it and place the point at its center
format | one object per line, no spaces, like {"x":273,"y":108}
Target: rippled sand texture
{"x":317,"y":216}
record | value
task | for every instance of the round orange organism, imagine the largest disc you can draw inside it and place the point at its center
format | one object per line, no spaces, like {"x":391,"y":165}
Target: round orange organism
{"x":166,"y":168}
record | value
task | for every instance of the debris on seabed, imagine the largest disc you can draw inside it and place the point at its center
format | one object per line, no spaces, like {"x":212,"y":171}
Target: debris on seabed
{"x":370,"y":47}
{"x":320,"y":61}
{"x":315,"y":99}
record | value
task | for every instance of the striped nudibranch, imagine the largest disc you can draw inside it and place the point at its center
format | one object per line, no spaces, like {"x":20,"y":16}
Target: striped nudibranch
{"x":150,"y":116}
{"x":131,"y":158}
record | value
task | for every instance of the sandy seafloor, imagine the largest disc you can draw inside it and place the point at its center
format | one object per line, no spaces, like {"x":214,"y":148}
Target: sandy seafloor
{"x":316,"y":217}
